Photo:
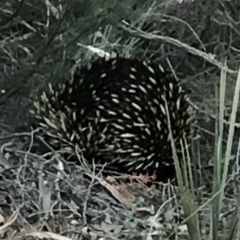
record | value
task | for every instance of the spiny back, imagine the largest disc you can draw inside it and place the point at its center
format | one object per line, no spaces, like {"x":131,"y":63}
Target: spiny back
{"x":115,"y":111}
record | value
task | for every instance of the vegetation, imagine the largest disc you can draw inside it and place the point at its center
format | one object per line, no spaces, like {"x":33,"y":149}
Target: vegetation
{"x":42,"y":196}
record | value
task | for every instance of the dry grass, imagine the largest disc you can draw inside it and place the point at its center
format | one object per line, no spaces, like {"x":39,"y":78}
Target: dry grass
{"x":44,"y":196}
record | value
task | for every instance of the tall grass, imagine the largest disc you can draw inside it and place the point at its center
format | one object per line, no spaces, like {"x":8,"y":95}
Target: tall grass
{"x":220,"y":176}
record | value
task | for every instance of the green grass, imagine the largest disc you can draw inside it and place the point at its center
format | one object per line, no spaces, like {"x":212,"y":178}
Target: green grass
{"x":220,"y":178}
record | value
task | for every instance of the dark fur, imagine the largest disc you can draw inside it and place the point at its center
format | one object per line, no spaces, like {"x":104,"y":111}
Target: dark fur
{"x":120,"y":86}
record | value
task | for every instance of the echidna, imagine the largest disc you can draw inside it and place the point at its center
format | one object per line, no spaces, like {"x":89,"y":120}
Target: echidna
{"x":115,"y":113}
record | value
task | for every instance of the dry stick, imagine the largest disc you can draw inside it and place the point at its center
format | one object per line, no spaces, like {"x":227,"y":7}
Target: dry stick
{"x":207,"y":56}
